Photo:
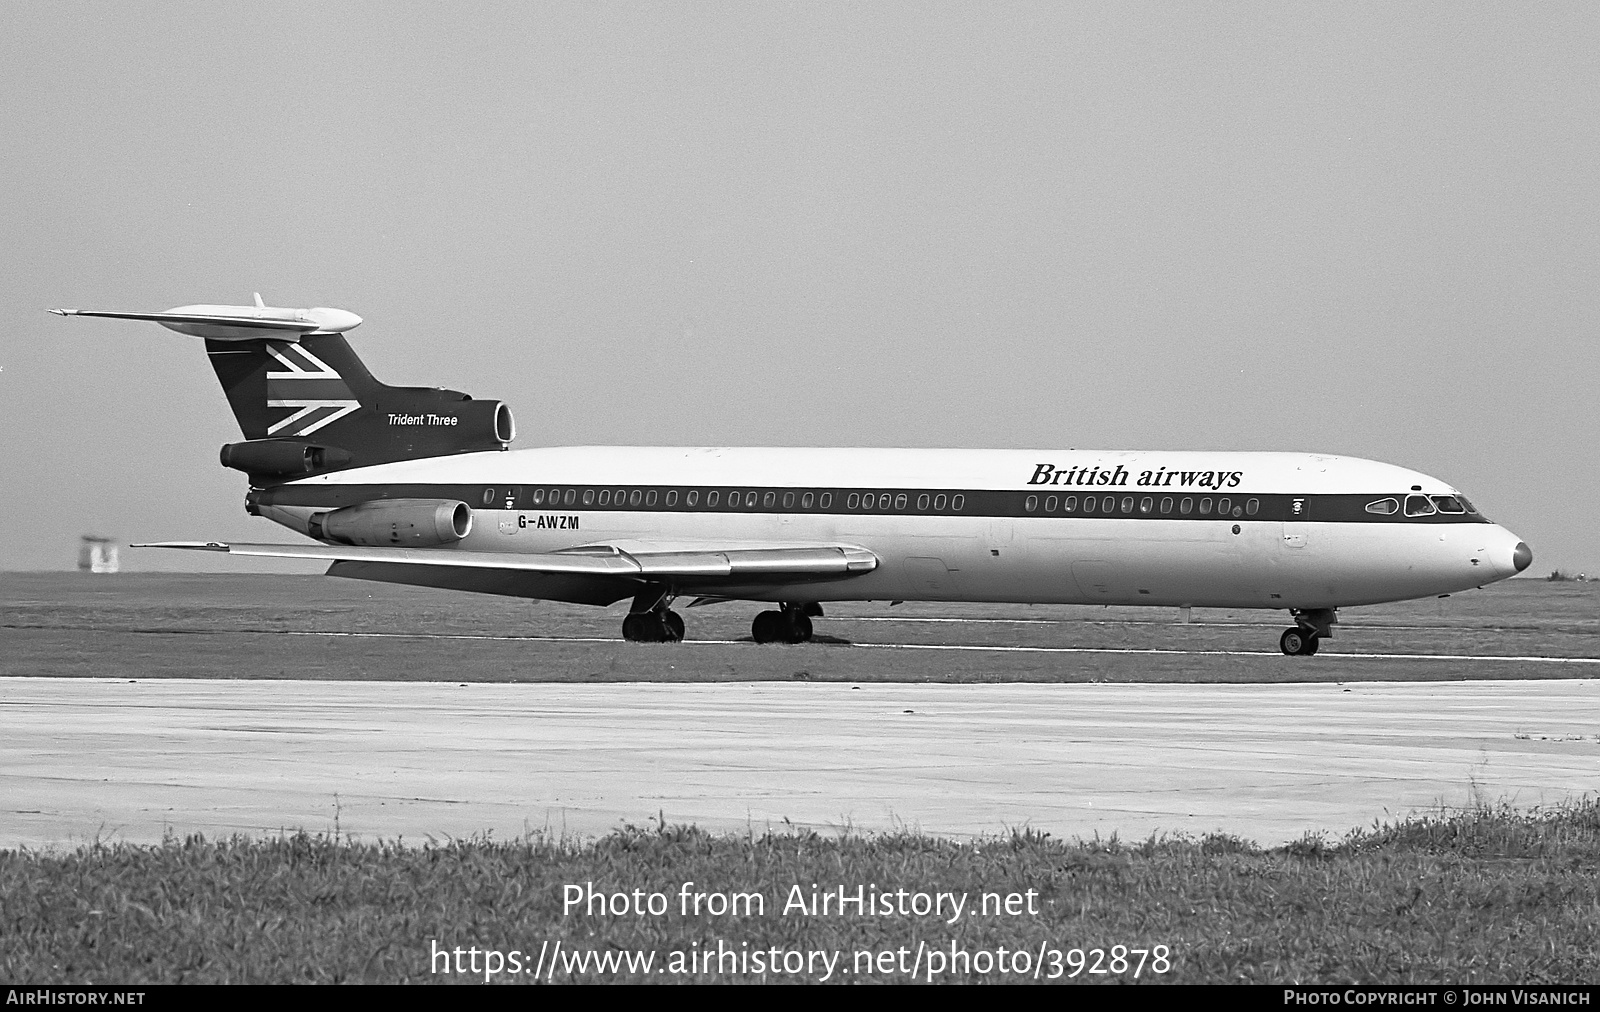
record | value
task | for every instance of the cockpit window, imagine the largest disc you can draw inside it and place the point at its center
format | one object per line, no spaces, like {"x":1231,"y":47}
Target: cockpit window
{"x":1448,"y":504}
{"x":1418,"y":506}
{"x":1384,"y":506}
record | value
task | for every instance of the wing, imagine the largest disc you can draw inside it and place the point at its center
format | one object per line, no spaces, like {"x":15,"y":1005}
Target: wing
{"x":592,"y":574}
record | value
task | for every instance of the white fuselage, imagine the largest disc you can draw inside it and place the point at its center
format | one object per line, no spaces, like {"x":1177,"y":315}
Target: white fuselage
{"x":1306,"y":543}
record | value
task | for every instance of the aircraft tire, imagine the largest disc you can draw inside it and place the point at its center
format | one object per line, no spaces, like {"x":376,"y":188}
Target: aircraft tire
{"x":799,"y":626}
{"x":674,"y":626}
{"x":630,"y":628}
{"x":1309,"y":647}
{"x":1293,"y":642}
{"x":768,"y":627}
{"x":648,"y":628}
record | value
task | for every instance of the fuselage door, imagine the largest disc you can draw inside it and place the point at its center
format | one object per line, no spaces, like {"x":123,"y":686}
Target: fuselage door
{"x":1296,"y":530}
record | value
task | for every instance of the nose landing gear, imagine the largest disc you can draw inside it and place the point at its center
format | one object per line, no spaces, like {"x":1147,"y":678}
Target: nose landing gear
{"x":1311,"y":625}
{"x":1298,"y":642}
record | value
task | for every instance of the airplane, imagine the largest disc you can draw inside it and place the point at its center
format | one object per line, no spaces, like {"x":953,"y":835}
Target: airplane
{"x":419,"y":486}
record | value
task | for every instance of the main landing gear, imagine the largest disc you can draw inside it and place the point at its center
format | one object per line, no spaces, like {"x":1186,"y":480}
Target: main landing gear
{"x":650,"y":620}
{"x":659,"y":626}
{"x":1311,"y":625}
{"x":790,"y":624}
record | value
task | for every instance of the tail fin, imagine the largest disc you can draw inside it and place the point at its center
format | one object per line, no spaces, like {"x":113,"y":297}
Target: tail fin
{"x":311,"y":405}
{"x":307,"y":405}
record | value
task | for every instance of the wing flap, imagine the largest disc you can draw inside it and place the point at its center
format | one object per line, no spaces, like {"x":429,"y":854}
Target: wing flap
{"x":698,"y":566}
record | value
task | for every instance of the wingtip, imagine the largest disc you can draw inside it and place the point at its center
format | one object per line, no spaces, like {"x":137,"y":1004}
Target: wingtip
{"x":203,"y":546}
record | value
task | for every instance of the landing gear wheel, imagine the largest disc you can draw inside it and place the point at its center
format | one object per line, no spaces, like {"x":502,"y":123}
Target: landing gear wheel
{"x":799,"y":624}
{"x":768,"y":627}
{"x":652,"y":627}
{"x":633,"y":627}
{"x":1292,"y":642}
{"x":1298,"y":642}
{"x":674,"y":624}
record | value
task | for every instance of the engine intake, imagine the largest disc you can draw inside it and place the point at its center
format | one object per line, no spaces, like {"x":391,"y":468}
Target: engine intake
{"x":394,"y":523}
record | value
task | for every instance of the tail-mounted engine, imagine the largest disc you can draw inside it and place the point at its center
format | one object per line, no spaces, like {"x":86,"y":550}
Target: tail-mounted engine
{"x":394,"y":523}
{"x":283,"y":458}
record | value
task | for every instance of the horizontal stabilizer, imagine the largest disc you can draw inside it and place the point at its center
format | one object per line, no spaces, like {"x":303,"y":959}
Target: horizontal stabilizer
{"x":238,"y":323}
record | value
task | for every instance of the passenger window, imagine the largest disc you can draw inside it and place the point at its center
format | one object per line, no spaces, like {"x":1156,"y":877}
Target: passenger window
{"x":620,"y":496}
{"x":958,"y":502}
{"x":692,"y":497}
{"x":555,"y":496}
{"x":1109,"y":504}
{"x":634,"y":497}
{"x":588,"y":497}
{"x":883,"y":501}
{"x":733,"y":498}
{"x":788,"y":500}
{"x":488,"y":496}
{"x":922,"y":502}
{"x":806,"y":501}
{"x":769,"y":500}
{"x":1205,"y":506}
{"x":1448,"y":504}
{"x":750,"y":499}
{"x":1071,"y":504}
{"x":672,"y":497}
{"x":1166,"y":505}
{"x":1186,"y":507}
{"x":605,"y":497}
{"x":1224,"y":506}
{"x":711,"y":498}
{"x":1418,"y":506}
{"x":852,"y":502}
{"x":1127,"y":504}
{"x":826,"y":500}
{"x":650,"y":498}
{"x":900,"y":501}
{"x":938,"y":502}
{"x":538,"y":496}
{"x":1031,"y":504}
{"x":1050,"y":504}
{"x":1146,"y":504}
{"x":1251,"y":506}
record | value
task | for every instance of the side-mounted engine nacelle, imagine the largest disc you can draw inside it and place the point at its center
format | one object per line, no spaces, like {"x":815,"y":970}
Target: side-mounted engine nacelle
{"x":282,"y":458}
{"x":394,"y":523}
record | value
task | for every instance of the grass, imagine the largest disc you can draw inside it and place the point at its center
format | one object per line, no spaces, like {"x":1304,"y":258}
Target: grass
{"x":1489,"y":895}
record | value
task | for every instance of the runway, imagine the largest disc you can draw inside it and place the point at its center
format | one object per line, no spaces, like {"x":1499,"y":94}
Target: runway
{"x":964,"y":647}
{"x":115,"y":759}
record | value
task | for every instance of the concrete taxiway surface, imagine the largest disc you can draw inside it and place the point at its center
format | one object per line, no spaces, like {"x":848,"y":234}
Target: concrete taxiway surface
{"x":119,"y":760}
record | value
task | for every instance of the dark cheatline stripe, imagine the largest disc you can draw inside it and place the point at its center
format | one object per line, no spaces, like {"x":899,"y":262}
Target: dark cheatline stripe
{"x":1108,"y":503}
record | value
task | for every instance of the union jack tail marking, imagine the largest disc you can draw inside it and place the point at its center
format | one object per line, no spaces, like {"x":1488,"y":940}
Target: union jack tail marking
{"x":308,"y":384}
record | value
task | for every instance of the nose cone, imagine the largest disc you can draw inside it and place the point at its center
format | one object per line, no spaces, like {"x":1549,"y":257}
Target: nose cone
{"x":1522,"y":556}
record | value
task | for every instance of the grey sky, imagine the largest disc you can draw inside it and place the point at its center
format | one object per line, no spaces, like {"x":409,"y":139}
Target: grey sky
{"x":1358,"y":229}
